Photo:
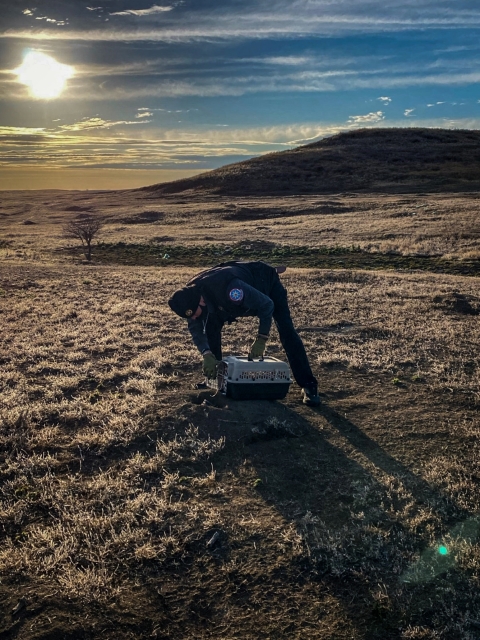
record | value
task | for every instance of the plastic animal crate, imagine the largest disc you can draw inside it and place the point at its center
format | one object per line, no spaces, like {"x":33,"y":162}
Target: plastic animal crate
{"x":243,"y":379}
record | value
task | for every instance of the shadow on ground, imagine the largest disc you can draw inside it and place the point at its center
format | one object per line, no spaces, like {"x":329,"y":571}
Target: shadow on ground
{"x":364,"y":520}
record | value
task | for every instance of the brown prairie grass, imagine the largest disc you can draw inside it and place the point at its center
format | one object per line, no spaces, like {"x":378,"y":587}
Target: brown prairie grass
{"x":444,"y":225}
{"x":116,"y":475}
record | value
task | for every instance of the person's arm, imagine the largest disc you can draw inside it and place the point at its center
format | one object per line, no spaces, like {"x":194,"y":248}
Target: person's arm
{"x":255,"y":303}
{"x":197,"y":331}
{"x":199,"y":337}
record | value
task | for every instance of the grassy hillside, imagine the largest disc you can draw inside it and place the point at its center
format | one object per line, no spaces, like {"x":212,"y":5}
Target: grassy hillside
{"x":378,"y":160}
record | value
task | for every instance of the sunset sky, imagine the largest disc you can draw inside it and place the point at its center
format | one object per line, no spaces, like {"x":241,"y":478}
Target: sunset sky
{"x":123,"y":93}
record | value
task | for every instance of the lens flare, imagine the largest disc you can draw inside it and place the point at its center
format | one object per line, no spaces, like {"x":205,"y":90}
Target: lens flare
{"x":43,"y":75}
{"x":443,"y":551}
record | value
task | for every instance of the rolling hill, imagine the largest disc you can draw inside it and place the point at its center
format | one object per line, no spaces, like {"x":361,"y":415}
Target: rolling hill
{"x":366,"y":160}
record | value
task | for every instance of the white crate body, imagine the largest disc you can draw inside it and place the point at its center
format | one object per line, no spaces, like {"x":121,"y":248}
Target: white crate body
{"x":239,"y":377}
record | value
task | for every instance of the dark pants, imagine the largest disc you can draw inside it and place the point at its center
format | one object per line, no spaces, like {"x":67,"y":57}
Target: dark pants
{"x":291,"y":341}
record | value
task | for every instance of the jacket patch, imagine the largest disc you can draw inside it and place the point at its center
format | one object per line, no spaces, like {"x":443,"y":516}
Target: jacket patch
{"x":236,"y":295}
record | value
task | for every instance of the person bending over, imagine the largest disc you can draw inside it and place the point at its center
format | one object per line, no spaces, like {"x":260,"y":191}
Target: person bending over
{"x":236,"y":289}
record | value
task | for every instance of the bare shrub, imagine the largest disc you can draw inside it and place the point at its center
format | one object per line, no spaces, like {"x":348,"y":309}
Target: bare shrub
{"x":85,"y":228}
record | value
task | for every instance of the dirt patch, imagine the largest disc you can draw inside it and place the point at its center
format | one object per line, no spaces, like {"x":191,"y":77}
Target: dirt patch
{"x":459,"y":303}
{"x":145,"y":217}
{"x":240,"y":213}
{"x":78,"y":209}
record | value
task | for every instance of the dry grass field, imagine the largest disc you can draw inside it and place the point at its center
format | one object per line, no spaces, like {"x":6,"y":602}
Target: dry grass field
{"x":116,"y":474}
{"x":133,"y":505}
{"x":431,"y":225}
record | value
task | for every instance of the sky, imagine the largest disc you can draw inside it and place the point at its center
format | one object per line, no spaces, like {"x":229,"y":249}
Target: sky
{"x":114,"y":94}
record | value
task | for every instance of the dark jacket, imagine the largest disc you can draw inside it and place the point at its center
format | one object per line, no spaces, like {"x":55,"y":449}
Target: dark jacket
{"x":232,"y":290}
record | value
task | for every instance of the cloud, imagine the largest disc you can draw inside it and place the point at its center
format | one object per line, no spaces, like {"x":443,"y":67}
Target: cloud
{"x":390,"y":81}
{"x":455,"y":49}
{"x":31,"y":12}
{"x":240,"y":30}
{"x":94,"y":123}
{"x":154,"y":77}
{"x":61,"y":23}
{"x":173,"y":110}
{"x":142,"y":12}
{"x":108,"y":143}
{"x":408,"y":112}
{"x":278,"y":19}
{"x":369,"y":118}
{"x":21,"y":131}
{"x":288,"y":61}
{"x":129,"y":68}
{"x":93,"y":141}
{"x":144,"y":114}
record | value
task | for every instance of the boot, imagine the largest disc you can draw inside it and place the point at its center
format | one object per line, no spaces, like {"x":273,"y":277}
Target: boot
{"x":310,"y":396}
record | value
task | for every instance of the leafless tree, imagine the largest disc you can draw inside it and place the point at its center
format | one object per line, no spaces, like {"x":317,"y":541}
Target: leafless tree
{"x":85,"y":228}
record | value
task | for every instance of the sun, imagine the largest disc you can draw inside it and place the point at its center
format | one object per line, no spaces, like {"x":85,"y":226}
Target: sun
{"x":43,"y":75}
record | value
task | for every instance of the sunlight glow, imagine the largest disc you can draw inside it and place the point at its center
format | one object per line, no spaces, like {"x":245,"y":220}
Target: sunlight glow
{"x":44,"y":76}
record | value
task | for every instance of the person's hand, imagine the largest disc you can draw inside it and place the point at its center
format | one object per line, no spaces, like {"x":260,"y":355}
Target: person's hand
{"x":209,"y":365}
{"x":258,"y":347}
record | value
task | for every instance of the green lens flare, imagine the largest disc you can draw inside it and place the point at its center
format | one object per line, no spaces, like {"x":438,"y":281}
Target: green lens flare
{"x":443,"y":551}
